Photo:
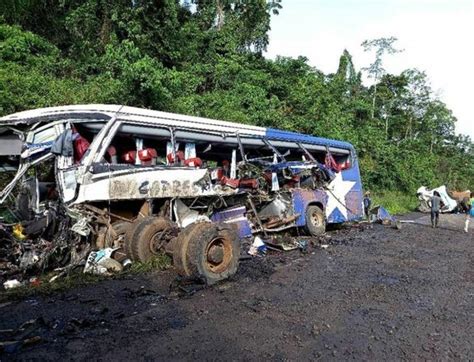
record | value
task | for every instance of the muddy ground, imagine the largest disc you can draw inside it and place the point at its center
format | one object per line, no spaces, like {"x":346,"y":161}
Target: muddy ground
{"x":374,"y":293}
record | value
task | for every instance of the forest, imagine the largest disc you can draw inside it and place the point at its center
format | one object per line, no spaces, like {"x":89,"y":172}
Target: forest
{"x":207,"y":58}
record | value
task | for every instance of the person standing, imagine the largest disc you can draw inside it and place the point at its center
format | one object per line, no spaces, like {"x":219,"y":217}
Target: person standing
{"x":469,"y":212}
{"x":435,"y":207}
{"x":367,"y":204}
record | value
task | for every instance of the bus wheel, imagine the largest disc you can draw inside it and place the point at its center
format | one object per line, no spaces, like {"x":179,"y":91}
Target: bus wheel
{"x":149,"y":237}
{"x":315,"y":220}
{"x":127,"y":242}
{"x":207,"y":251}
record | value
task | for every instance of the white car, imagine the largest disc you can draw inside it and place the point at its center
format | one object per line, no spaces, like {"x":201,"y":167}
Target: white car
{"x":425,"y":195}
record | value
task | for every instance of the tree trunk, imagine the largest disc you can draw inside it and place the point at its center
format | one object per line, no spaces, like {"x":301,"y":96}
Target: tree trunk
{"x":373,"y":98}
{"x":220,"y":14}
{"x":408,"y":133}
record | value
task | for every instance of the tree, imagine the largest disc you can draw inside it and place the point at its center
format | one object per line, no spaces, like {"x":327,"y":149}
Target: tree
{"x":376,"y":69}
{"x":204,"y":58}
{"x":245,"y":22}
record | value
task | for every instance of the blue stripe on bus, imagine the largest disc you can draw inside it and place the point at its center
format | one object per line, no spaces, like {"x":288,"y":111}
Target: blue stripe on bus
{"x":272,"y":133}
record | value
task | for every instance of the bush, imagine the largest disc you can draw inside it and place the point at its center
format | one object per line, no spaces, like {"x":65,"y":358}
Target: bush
{"x":395,"y":202}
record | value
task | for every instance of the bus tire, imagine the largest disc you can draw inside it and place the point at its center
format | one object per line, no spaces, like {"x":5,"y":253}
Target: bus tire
{"x":148,"y":237}
{"x":129,"y":234}
{"x":315,"y":220}
{"x":207,"y":251}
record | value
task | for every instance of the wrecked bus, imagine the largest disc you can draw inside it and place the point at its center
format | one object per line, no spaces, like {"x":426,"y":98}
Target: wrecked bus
{"x":149,"y":182}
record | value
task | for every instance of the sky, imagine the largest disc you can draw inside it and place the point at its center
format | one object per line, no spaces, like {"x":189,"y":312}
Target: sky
{"x":436,"y":36}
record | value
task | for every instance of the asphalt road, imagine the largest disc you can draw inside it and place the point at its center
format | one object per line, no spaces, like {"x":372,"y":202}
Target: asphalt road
{"x":374,"y":293}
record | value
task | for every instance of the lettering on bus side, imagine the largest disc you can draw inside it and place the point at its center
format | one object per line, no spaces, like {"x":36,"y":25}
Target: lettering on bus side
{"x":176,"y":188}
{"x":123,"y":189}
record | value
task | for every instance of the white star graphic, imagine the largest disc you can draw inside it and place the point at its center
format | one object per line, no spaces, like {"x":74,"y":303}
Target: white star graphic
{"x":337,"y":191}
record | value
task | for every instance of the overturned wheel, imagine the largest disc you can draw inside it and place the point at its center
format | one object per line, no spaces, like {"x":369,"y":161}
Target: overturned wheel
{"x":315,"y":220}
{"x":207,"y":251}
{"x":148,"y":237}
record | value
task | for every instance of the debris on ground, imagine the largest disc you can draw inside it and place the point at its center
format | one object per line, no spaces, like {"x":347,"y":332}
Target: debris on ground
{"x":40,"y":244}
{"x":101,"y":262}
{"x":370,"y":295}
{"x":283,"y":242}
{"x":10,"y":284}
{"x":25,"y":335}
{"x":381,"y":215}
{"x":258,"y":247}
{"x":303,"y":245}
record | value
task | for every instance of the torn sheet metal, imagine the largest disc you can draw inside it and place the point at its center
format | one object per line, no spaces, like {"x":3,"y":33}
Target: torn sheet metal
{"x":40,"y":246}
{"x":10,"y":145}
{"x":24,"y":167}
{"x":236,"y":216}
{"x":380,"y":214}
{"x":280,"y":206}
{"x":185,"y":216}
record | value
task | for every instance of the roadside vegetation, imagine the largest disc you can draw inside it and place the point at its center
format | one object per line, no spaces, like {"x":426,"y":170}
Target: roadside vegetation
{"x":396,"y":202}
{"x":74,"y":279}
{"x":205,"y":58}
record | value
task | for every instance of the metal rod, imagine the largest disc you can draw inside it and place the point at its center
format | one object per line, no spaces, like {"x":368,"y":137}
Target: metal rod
{"x":259,"y":222}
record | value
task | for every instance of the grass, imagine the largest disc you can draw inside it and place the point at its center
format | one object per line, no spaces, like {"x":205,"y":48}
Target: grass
{"x":79,"y":279}
{"x":395,"y":202}
{"x":46,"y":288}
{"x":159,"y":262}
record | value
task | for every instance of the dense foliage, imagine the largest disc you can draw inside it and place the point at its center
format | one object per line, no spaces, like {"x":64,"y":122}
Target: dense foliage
{"x":204,"y":57}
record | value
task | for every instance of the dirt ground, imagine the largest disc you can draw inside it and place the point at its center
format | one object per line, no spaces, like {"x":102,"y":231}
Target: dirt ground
{"x":374,"y":293}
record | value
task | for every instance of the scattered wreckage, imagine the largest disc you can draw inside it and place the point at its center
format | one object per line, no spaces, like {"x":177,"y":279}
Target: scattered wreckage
{"x":136,"y":182}
{"x":452,"y":201}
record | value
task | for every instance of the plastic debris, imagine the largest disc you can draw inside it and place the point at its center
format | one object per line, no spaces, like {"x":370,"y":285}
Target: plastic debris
{"x":258,"y":247}
{"x":10,"y":284}
{"x":18,"y":232}
{"x":33,"y":247}
{"x":28,"y":259}
{"x":282,"y":243}
{"x":81,"y":227}
{"x":303,"y":246}
{"x":396,"y":224}
{"x":101,"y":262}
{"x":35,"y":282}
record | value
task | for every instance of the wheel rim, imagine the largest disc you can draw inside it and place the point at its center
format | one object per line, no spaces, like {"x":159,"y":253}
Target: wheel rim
{"x":158,"y":241}
{"x":316,"y":219}
{"x":218,"y":254}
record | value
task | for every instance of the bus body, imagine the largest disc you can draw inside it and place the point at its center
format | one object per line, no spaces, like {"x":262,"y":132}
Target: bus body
{"x":188,"y":170}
